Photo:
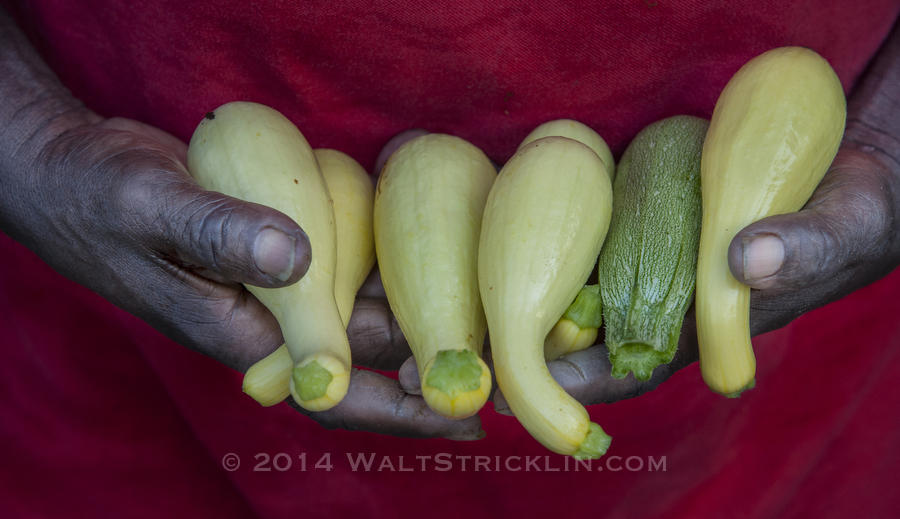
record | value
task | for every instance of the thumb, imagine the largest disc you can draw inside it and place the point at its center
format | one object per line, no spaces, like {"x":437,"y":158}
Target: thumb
{"x":231,"y":240}
{"x":825,"y":245}
{"x":408,"y":375}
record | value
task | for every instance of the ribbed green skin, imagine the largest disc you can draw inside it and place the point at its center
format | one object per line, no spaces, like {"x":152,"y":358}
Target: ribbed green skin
{"x":648,"y":265}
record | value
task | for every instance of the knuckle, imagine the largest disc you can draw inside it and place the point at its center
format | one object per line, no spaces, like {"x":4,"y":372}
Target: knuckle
{"x":201,"y":227}
{"x":833,"y":243}
{"x":569,"y":373}
{"x":845,"y":242}
{"x":139,"y":194}
{"x":399,"y":406}
{"x":859,"y":208}
{"x":373,"y":335}
{"x":573,"y":379}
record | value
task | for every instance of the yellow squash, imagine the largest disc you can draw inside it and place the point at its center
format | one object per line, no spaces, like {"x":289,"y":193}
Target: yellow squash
{"x":577,"y":131}
{"x":351,"y":189}
{"x":776,"y":128}
{"x":428,"y":206}
{"x":353,"y":193}
{"x":254,"y":153}
{"x":578,"y":328}
{"x":544,"y":223}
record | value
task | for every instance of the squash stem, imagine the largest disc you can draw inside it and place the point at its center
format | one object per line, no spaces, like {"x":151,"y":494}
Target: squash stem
{"x":595,"y":444}
{"x":319,"y":382}
{"x":641,"y":339}
{"x":456,"y":383}
{"x":750,"y":385}
{"x":585,"y":311}
{"x":578,"y":328}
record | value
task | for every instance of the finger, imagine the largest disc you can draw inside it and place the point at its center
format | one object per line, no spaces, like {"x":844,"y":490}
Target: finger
{"x":376,"y":403}
{"x":500,"y":404}
{"x":375,"y":337}
{"x":225,"y":322}
{"x":846,"y":220}
{"x":408,"y":376}
{"x":586,"y":374}
{"x":819,"y":254}
{"x":221,"y":237}
{"x":393,"y":144}
{"x":372,"y":286}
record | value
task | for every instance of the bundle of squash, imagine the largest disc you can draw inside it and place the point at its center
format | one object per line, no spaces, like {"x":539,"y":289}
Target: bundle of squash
{"x":463,"y":250}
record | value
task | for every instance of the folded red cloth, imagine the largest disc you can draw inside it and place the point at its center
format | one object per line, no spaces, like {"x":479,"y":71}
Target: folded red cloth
{"x":105,"y":417}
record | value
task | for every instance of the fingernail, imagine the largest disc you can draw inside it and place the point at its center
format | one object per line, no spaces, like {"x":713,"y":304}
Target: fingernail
{"x":273,"y":253}
{"x":763,"y":256}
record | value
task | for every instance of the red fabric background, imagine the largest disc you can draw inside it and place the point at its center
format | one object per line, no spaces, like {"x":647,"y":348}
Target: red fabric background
{"x":104,"y":417}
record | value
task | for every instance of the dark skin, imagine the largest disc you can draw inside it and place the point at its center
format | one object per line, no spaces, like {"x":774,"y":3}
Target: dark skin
{"x":844,"y":238}
{"x":109,"y":204}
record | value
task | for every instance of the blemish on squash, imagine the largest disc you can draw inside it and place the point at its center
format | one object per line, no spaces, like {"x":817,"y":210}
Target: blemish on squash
{"x":210,"y":115}
{"x":296,"y":181}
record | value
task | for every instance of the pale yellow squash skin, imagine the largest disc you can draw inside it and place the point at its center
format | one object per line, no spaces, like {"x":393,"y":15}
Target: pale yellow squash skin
{"x":566,"y":336}
{"x":775,"y":130}
{"x":254,"y":153}
{"x":268,"y":381}
{"x":353,"y":194}
{"x":577,"y":131}
{"x":428,"y":206}
{"x":544,"y":223}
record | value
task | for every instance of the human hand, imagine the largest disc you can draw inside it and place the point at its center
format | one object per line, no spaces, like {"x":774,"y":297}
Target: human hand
{"x":109,"y":204}
{"x":375,"y":402}
{"x":843,"y":239}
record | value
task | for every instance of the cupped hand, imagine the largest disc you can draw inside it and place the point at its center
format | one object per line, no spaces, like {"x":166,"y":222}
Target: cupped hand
{"x":377,"y":403}
{"x":843,"y":239}
{"x":109,"y":204}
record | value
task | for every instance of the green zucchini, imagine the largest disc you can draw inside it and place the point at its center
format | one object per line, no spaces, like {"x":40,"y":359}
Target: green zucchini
{"x":647,"y":268}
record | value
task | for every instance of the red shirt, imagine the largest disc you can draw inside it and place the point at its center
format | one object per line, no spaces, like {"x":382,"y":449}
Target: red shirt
{"x":105,"y":417}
